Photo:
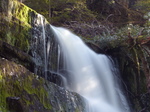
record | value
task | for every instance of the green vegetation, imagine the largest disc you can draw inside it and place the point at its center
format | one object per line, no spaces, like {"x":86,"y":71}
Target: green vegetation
{"x":121,"y":37}
{"x":143,"y":6}
{"x":62,"y":11}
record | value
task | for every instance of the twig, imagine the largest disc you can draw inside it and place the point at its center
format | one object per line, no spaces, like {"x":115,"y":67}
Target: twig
{"x":143,"y":110}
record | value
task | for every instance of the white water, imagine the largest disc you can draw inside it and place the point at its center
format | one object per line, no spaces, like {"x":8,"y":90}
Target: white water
{"x":91,"y":76}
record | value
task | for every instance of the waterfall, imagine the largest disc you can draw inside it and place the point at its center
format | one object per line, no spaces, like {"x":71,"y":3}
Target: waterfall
{"x":90,"y":74}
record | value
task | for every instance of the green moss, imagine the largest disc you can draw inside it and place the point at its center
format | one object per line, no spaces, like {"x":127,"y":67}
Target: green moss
{"x":16,"y":29}
{"x":77,"y":110}
{"x":1,"y":77}
{"x":19,"y":37}
{"x":22,"y":86}
{"x":3,"y":95}
{"x":22,"y":13}
{"x":37,"y":89}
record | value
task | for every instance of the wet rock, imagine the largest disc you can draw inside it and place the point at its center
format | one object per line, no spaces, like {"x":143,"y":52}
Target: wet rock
{"x":25,"y":43}
{"x":14,"y":104}
{"x":95,"y":47}
{"x":14,"y":54}
{"x":54,"y":77}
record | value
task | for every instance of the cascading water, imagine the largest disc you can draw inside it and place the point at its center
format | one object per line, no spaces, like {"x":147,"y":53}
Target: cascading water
{"x":44,"y":39}
{"x":91,"y":74}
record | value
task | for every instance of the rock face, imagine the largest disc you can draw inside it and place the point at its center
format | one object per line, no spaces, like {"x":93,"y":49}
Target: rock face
{"x":23,"y":91}
{"x":15,"y":24}
{"x":21,"y":53}
{"x":24,"y":29}
{"x":133,"y":62}
{"x":14,"y":54}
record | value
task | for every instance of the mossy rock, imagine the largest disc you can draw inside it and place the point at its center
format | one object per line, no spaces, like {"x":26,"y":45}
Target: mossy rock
{"x":21,"y":90}
{"x":16,"y":23}
{"x":18,"y":82}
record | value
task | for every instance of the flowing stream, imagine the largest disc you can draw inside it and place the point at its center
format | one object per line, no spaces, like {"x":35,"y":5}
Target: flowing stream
{"x":90,"y":74}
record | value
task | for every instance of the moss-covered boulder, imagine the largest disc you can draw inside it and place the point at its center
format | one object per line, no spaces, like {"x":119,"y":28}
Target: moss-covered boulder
{"x":16,"y":23}
{"x":23,"y":91}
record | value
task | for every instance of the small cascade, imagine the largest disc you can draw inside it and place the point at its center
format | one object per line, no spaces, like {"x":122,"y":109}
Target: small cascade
{"x":39,"y":46}
{"x":89,"y":74}
{"x":44,"y":46}
{"x":45,"y":50}
{"x":58,"y":59}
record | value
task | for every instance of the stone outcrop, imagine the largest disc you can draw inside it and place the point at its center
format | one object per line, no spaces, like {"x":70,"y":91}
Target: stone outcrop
{"x":21,"y":54}
{"x":22,"y":28}
{"x":23,"y":91}
{"x":132,"y":57}
{"x":14,"y":54}
{"x":15,"y":24}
